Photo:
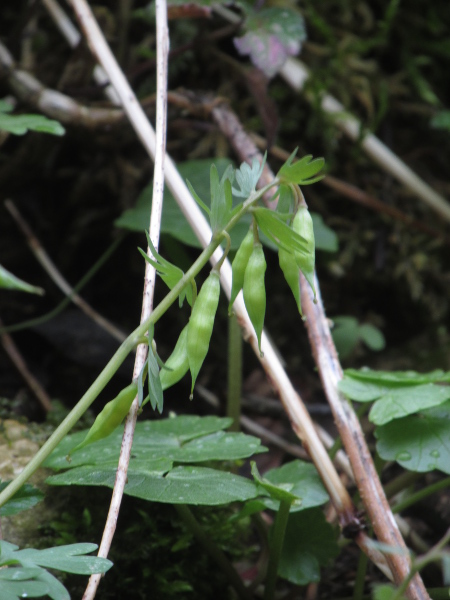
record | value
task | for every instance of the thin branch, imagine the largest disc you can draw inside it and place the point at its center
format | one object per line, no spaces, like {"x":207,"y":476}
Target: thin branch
{"x":359,"y":196}
{"x":51,"y":102}
{"x":73,"y":37}
{"x":13,"y":352}
{"x":51,"y":269}
{"x":300,"y":419}
{"x":348,"y":425}
{"x":162,"y":35}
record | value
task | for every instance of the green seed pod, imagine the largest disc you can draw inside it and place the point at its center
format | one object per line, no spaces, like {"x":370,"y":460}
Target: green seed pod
{"x":303,"y":225}
{"x":238,"y":266}
{"x":110,"y":417}
{"x":201,"y":324}
{"x":289,"y":266}
{"x":177,"y":365}
{"x":255,"y":290}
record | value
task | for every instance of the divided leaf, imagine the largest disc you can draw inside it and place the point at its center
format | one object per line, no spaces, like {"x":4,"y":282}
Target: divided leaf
{"x":302,"y":172}
{"x":20,"y":124}
{"x":397,"y":394}
{"x":247,"y":177}
{"x":152,"y":474}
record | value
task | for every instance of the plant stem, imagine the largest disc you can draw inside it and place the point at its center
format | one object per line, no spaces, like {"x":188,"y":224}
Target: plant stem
{"x":213,"y":550}
{"x":358,"y":590}
{"x":421,"y":494}
{"x":234,"y":372}
{"x":276,"y":545}
{"x":124,"y":349}
{"x":105,"y":376}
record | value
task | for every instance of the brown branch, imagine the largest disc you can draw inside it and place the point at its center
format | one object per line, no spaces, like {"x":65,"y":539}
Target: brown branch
{"x":51,"y":269}
{"x":13,"y":352}
{"x":330,"y":371}
{"x":52,"y":103}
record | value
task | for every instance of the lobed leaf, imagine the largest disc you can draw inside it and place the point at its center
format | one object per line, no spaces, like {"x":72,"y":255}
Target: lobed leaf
{"x":309,"y":544}
{"x":27,"y":497}
{"x":419,"y":442}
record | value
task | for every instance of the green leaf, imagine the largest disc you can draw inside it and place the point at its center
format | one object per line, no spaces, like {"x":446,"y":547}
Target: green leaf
{"x":441,"y":120}
{"x":27,"y":497}
{"x":372,"y":337}
{"x":221,"y":198}
{"x":418,"y":442}
{"x":5,"y":106}
{"x":20,"y":124}
{"x":276,"y":230}
{"x":310,"y":543}
{"x":398,"y":399}
{"x":396,"y":378}
{"x":63,"y":558}
{"x":181,"y":485}
{"x":179,"y":439}
{"x":279,"y":493}
{"x":70,"y":558}
{"x":169,"y":273}
{"x":18,"y":583}
{"x":247,"y":177}
{"x":174,"y":222}
{"x":302,"y":172}
{"x":272,"y":35}
{"x":385,"y":592}
{"x":157,"y":445}
{"x":11,"y":282}
{"x":345,"y":335}
{"x":154,"y":383}
{"x":305,"y":484}
{"x":325,"y":238}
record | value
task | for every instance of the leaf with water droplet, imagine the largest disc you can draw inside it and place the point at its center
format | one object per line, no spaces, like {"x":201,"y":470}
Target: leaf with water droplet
{"x":421,"y":436}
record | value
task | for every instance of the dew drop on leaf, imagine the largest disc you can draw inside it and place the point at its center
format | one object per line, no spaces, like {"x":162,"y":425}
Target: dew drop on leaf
{"x":403,"y":456}
{"x":435,"y":454}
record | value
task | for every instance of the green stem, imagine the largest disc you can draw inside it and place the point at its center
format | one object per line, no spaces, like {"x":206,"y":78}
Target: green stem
{"x":234,"y":372}
{"x":413,"y":498}
{"x":358,"y":590}
{"x":276,"y":545}
{"x":213,"y":550}
{"x":105,"y":376}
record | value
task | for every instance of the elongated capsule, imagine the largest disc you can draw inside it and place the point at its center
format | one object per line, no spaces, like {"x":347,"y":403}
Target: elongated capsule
{"x":239,"y":265}
{"x":255,"y":290}
{"x":110,"y":417}
{"x":291,"y":272}
{"x":201,"y":324}
{"x":177,"y":365}
{"x":303,"y":225}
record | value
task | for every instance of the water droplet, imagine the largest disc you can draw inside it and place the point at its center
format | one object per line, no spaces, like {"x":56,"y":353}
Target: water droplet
{"x":431,"y":467}
{"x":24,"y":595}
{"x":403,"y":456}
{"x":435,"y":454}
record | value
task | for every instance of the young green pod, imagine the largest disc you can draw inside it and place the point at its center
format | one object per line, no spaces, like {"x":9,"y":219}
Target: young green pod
{"x":177,"y":365}
{"x":201,"y":324}
{"x":255,"y":290}
{"x":289,"y":266}
{"x":110,"y":417}
{"x":303,"y":225}
{"x":239,"y":265}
